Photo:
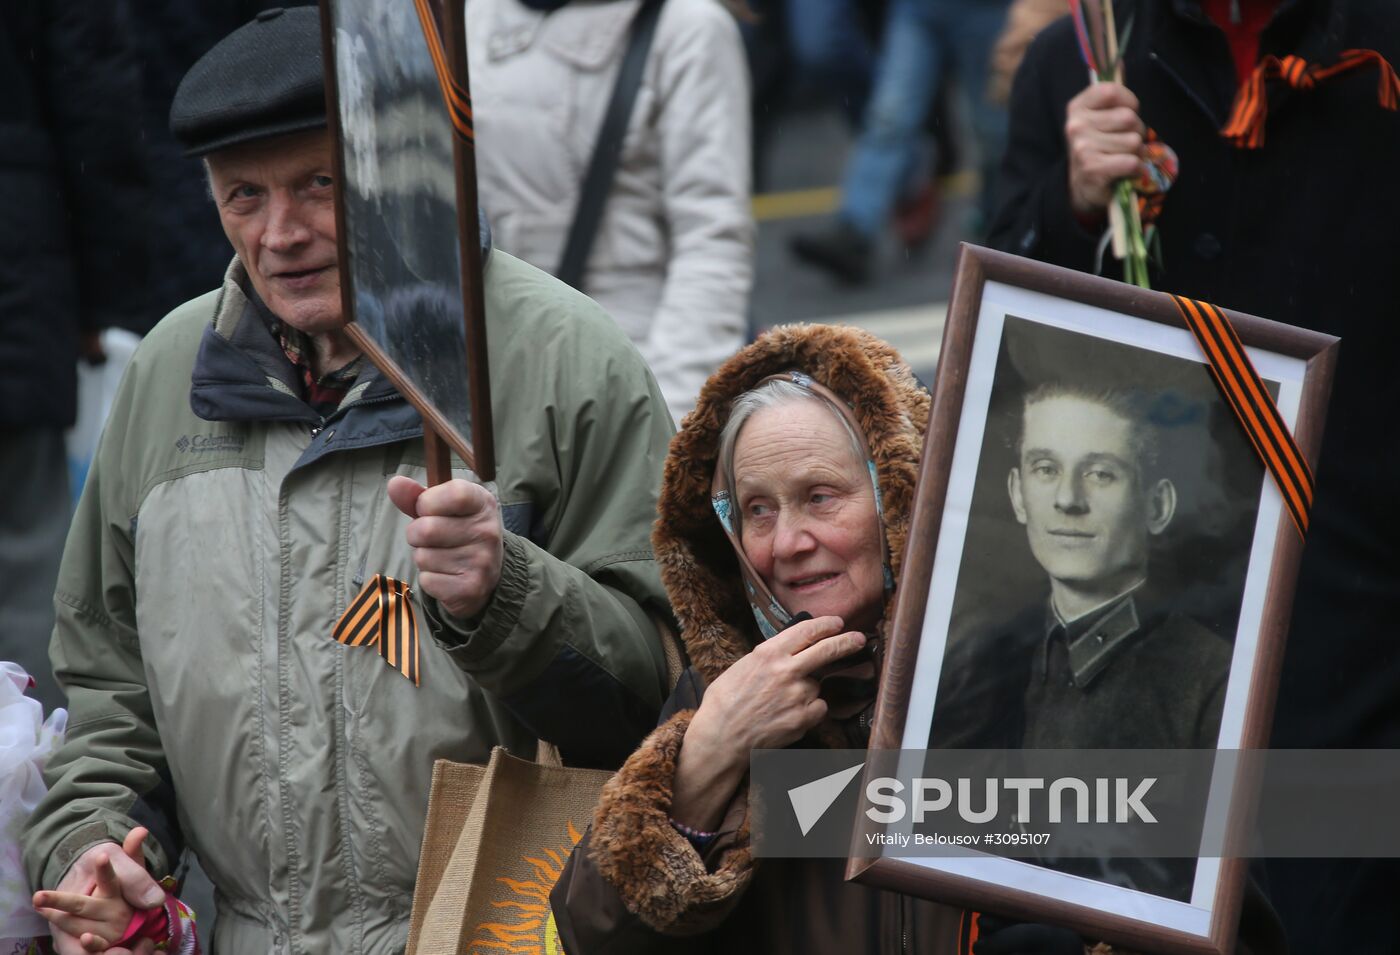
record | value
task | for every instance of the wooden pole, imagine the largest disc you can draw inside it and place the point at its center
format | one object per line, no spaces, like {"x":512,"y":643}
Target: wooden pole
{"x":438,"y":457}
{"x":453,"y":18}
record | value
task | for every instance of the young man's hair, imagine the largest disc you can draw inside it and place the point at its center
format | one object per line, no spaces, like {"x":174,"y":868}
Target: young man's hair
{"x":1131,"y":404}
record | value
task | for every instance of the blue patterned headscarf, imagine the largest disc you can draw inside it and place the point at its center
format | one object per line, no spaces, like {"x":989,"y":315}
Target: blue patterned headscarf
{"x":772,"y":616}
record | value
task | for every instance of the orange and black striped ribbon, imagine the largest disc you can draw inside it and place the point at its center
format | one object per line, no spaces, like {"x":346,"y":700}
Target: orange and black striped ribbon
{"x":1246,"y":395}
{"x":381,"y":616}
{"x":1245,"y":127}
{"x":459,"y":103}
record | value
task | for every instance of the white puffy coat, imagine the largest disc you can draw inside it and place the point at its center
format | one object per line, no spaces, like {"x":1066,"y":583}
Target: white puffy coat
{"x":673,"y":260}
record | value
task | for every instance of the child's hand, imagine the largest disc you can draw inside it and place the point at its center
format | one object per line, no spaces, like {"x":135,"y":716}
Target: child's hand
{"x":99,"y":919}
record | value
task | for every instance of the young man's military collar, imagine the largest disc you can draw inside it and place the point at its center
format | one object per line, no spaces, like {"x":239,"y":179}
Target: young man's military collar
{"x":1094,"y":640}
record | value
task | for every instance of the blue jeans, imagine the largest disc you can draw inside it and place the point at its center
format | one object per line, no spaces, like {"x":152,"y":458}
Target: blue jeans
{"x":829,"y":47}
{"x":921,"y":37}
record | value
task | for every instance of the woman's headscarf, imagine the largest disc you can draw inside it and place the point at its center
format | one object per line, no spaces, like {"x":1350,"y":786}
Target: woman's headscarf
{"x":772,"y":617}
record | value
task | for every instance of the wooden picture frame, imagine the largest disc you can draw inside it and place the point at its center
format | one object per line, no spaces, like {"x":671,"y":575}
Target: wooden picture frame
{"x":420,"y":45}
{"x":990,"y":289}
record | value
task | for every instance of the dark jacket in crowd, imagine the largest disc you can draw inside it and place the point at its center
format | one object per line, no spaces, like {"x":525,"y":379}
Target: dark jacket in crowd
{"x":72,"y":198}
{"x":168,"y":37}
{"x":1300,"y":231}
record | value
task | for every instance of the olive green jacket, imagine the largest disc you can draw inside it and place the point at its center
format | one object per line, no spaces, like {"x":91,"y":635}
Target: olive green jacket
{"x":223,"y":530}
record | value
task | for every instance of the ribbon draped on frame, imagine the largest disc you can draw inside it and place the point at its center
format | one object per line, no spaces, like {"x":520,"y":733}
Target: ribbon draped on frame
{"x":381,"y":616}
{"x":1246,"y":395}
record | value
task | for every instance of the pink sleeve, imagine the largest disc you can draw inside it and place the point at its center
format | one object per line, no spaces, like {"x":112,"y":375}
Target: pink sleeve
{"x":171,"y":926}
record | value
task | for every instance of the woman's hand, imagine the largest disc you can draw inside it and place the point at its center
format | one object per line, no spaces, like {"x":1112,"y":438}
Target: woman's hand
{"x":770,"y":697}
{"x":766,"y":700}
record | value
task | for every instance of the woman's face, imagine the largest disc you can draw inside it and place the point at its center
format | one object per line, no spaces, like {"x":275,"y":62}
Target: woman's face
{"x":808,"y":522}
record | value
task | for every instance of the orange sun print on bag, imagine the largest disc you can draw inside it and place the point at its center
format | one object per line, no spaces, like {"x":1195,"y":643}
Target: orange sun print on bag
{"x":530,"y":929}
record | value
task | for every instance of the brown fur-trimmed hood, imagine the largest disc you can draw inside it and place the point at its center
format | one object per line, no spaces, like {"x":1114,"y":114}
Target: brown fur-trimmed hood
{"x":697,"y":563}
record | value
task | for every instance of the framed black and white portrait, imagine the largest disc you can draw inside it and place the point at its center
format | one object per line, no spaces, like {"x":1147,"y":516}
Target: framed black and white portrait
{"x":1102,"y":560}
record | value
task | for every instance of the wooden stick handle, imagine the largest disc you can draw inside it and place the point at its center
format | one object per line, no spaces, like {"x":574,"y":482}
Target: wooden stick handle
{"x":483,"y":436}
{"x":437,"y":455}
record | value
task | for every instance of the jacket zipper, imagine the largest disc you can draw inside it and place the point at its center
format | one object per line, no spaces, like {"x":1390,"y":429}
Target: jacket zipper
{"x":337,"y":415}
{"x":367,"y":401}
{"x":317,"y":429}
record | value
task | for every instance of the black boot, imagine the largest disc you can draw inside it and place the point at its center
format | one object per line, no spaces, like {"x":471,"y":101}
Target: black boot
{"x":840,"y":249}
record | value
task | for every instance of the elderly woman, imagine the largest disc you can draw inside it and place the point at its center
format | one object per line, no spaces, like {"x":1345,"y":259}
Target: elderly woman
{"x":787,"y":495}
{"x":770,"y":508}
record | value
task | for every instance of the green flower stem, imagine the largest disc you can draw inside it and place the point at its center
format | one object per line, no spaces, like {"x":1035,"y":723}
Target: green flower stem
{"x":1135,"y":265}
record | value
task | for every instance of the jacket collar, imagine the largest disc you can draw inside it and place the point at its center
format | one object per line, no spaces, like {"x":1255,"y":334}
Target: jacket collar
{"x":241,"y":375}
{"x":577,"y":33}
{"x":1094,"y":640}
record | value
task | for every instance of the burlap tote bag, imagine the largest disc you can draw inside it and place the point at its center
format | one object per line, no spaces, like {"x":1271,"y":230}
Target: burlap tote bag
{"x":496,"y":839}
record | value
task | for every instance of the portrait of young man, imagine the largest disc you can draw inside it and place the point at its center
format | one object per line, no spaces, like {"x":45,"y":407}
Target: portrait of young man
{"x":1103,"y":569}
{"x":1113,"y":664}
{"x":1104,"y":564}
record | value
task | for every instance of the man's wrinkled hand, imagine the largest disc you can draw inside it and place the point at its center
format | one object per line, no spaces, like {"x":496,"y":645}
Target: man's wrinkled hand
{"x":138,"y":888}
{"x":457,"y":540}
{"x":1104,"y":136}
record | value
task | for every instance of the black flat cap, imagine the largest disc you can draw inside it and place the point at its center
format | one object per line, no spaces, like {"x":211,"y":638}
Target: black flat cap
{"x":263,"y":79}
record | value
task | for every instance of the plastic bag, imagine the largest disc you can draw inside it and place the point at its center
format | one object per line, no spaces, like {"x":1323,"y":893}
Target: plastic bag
{"x":97,"y":387}
{"x":26,"y":742}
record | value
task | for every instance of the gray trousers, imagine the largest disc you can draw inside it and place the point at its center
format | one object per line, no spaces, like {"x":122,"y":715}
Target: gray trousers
{"x":35,"y":511}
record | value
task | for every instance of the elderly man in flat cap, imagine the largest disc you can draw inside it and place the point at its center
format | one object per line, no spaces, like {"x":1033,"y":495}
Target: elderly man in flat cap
{"x":238,"y":504}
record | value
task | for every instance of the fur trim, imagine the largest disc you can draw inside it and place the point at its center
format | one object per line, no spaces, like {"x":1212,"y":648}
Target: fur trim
{"x":656,"y":871}
{"x":697,"y":564}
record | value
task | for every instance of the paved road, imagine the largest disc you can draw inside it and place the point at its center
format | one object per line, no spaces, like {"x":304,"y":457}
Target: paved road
{"x":904,"y":303}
